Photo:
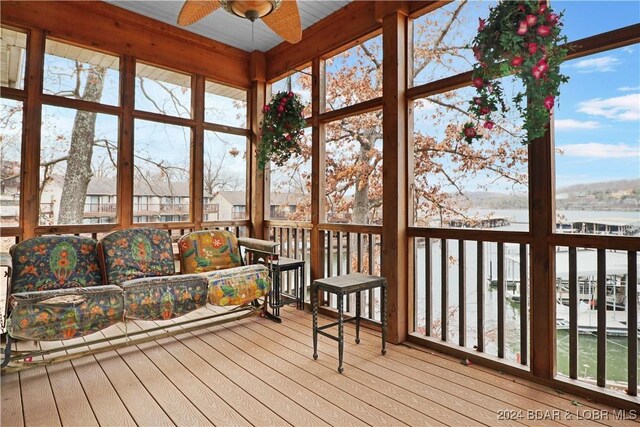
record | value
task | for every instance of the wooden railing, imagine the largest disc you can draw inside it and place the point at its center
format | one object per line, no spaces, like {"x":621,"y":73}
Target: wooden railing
{"x":463,"y":288}
{"x":602,"y":297}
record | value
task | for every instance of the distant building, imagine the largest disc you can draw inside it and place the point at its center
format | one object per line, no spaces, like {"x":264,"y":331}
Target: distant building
{"x":157,"y":201}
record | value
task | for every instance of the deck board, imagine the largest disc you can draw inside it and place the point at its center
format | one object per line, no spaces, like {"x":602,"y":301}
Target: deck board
{"x":73,"y":406}
{"x":256,"y":372}
{"x":11,"y":413}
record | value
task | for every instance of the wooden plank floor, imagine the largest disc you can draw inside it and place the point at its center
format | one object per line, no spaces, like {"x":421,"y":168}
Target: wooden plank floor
{"x":257,"y":372}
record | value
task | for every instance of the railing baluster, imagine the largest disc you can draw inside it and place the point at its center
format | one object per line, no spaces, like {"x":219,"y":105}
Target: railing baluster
{"x":330,"y":254}
{"x":524,"y":303}
{"x":462,"y":295}
{"x":632,"y":321}
{"x":348,"y":267}
{"x":444,"y":297}
{"x":339,"y":254}
{"x":281,"y":241}
{"x":428,"y":285}
{"x":288,"y":242}
{"x":480,"y":297}
{"x":501,"y":286}
{"x":601,"y":376}
{"x":573,"y":313}
{"x":370,"y":296}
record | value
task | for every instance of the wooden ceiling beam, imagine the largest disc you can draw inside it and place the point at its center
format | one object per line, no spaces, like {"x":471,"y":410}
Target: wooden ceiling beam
{"x":352,"y":24}
{"x":112,"y":29}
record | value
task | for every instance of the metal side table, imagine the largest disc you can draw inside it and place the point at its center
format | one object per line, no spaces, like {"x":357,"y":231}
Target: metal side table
{"x":280,"y":298}
{"x":341,"y":286}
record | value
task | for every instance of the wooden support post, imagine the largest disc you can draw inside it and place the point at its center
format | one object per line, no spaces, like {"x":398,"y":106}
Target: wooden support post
{"x":197,"y":151}
{"x":317,"y":169}
{"x":394,"y":172}
{"x":30,"y":191}
{"x":542,"y":225}
{"x":257,"y":96}
{"x":125,"y":148}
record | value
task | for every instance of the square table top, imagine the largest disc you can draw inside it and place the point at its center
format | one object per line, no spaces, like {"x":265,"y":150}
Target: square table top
{"x":348,"y":283}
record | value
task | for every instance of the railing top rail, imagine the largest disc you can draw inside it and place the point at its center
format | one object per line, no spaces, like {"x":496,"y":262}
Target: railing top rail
{"x":352,"y":228}
{"x":288,"y":224}
{"x":471,"y":234}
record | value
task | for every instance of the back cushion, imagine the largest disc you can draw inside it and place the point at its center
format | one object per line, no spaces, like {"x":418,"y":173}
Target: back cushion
{"x":54,"y":262}
{"x":208,"y":250}
{"x":135,"y":253}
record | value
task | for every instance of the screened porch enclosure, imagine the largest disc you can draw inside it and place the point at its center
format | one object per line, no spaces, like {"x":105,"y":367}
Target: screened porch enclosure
{"x":522,"y":259}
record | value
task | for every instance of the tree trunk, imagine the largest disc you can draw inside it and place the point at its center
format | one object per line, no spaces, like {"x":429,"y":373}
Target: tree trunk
{"x":361,"y":195}
{"x":79,"y":173}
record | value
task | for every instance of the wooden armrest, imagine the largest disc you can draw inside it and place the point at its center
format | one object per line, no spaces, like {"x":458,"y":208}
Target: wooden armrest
{"x":264,"y":246}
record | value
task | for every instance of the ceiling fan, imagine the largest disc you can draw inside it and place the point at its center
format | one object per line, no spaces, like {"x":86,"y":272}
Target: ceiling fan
{"x":282,"y":16}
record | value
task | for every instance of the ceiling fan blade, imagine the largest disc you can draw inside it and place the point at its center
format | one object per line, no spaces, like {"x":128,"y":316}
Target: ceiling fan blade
{"x":194,"y":10}
{"x":285,"y":21}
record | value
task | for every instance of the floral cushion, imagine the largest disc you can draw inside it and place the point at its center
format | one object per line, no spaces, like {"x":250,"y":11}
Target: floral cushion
{"x":135,"y":253}
{"x":54,"y":262}
{"x":64,"y":313}
{"x":210,"y":250}
{"x":236,"y":286}
{"x":162,"y":298}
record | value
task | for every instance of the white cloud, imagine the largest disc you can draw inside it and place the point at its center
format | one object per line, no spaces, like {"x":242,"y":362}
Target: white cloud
{"x":600,"y":151}
{"x":623,"y":108}
{"x":596,"y":65}
{"x":571,"y":124}
{"x":627,"y":49}
{"x":628,"y":88}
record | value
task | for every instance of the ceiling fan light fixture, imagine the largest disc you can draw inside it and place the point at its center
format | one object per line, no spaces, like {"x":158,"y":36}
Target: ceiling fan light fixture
{"x":250,"y":10}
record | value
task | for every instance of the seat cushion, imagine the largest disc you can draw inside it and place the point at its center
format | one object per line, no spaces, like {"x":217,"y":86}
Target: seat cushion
{"x":162,"y":298}
{"x":135,"y":253}
{"x":54,"y":262}
{"x":236,"y":286}
{"x":209,"y":250}
{"x":64,"y":313}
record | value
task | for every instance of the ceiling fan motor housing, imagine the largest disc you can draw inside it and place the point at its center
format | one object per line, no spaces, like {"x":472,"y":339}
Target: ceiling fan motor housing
{"x":251,"y":10}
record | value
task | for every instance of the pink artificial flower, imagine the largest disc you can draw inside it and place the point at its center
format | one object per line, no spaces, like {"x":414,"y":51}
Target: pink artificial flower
{"x":548,"y":102}
{"x":485,"y":110}
{"x":481,"y":24}
{"x":543,"y":65}
{"x":477,"y":100}
{"x":469,"y":132}
{"x":521,"y":8}
{"x":522,"y":28}
{"x":543,"y":8}
{"x":290,"y":94}
{"x":478,"y":82}
{"x":488,"y":124}
{"x":535,"y":71}
{"x":543,"y":30}
{"x":517,"y":61}
{"x":280,"y":108}
{"x":266,"y":108}
{"x":533,"y":48}
{"x":552,"y":19}
{"x":531,"y":20}
{"x":490,"y":88}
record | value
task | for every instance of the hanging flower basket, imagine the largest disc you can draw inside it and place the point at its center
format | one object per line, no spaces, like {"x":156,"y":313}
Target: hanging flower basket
{"x":522,"y":38}
{"x":282,"y":129}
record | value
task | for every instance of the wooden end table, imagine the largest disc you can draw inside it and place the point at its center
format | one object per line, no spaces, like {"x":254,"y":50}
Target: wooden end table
{"x":341,"y":286}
